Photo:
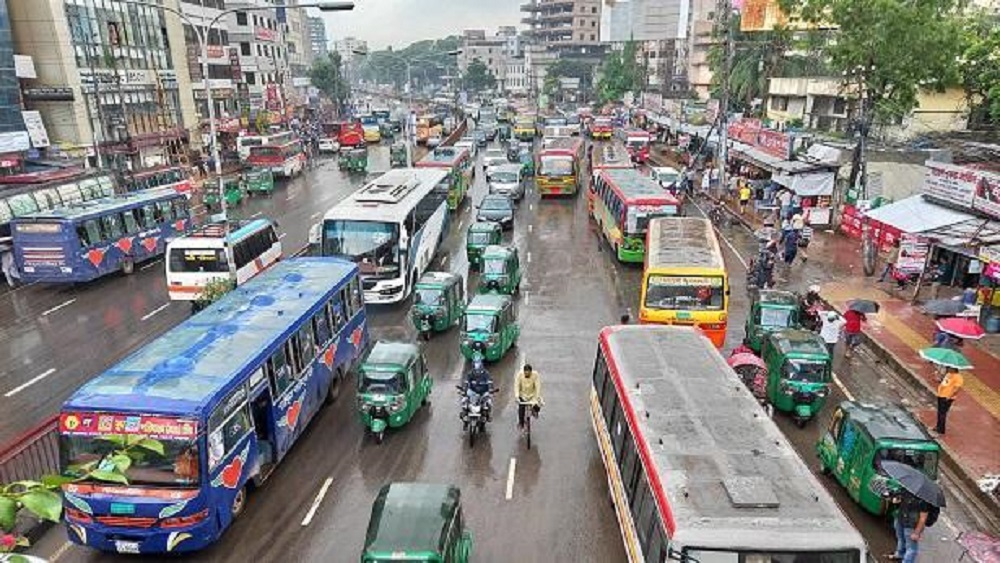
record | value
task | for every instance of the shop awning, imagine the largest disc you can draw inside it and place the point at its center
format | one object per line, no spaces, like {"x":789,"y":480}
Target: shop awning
{"x":807,"y":184}
{"x":774,"y":164}
{"x":917,"y":215}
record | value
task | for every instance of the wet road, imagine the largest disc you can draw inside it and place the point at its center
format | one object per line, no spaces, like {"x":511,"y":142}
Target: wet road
{"x":558,"y":507}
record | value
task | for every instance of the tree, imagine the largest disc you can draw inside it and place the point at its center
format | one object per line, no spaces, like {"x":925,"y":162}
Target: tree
{"x":620,"y":73}
{"x":979,"y":68}
{"x":429,"y":58}
{"x":327,"y":76}
{"x":478,"y":76}
{"x":568,"y":68}
{"x":213,"y":291}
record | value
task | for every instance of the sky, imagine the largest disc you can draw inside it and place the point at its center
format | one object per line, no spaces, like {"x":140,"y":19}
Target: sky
{"x":401,"y":22}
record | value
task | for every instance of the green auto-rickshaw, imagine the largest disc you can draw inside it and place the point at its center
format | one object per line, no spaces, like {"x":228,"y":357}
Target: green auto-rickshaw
{"x":527,"y":159}
{"x":417,"y":522}
{"x":489,"y":327}
{"x":397,"y":155}
{"x":438,"y":302}
{"x":860,"y":437}
{"x":481,"y":235}
{"x":799,"y":372}
{"x":233,"y":187}
{"x":501,"y":270}
{"x":392,"y":384}
{"x":260,"y":181}
{"x":353,"y":160}
{"x":770,"y":310}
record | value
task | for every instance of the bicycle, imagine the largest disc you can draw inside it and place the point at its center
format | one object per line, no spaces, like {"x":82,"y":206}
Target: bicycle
{"x":530,"y":412}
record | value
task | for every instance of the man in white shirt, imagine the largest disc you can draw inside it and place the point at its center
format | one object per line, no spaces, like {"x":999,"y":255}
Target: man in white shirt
{"x":833,"y":324}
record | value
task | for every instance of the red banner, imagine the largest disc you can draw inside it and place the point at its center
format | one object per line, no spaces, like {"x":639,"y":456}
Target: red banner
{"x":775,"y":143}
{"x":97,"y":424}
{"x":987,"y":199}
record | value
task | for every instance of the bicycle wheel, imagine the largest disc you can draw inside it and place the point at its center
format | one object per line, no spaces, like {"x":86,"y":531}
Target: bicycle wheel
{"x":527,"y":428}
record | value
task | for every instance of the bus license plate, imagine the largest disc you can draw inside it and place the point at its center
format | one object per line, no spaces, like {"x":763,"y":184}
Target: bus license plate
{"x":127,"y":546}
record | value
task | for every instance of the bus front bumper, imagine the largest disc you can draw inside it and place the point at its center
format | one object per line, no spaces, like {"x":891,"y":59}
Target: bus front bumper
{"x":385,"y":292}
{"x":112,"y":539}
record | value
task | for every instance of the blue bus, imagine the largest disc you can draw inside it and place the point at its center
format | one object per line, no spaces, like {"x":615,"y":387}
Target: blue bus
{"x":226,"y":393}
{"x":86,"y":240}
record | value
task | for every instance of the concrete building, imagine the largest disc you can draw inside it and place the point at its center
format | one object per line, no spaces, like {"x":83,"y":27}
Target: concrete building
{"x":262,"y":56}
{"x":823,"y":104}
{"x":491,"y":50}
{"x":665,"y":64}
{"x":346,"y":48}
{"x":13,"y":135}
{"x":220,"y":71}
{"x":700,"y":42}
{"x":317,"y":36}
{"x":298,"y":51}
{"x":516,"y":77}
{"x":564,"y":25}
{"x":116,"y":76}
{"x":645,"y":20}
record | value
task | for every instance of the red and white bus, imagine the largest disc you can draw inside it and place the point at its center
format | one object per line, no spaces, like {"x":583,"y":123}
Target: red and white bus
{"x":697,"y":471}
{"x":285,"y":160}
{"x":247,"y":142}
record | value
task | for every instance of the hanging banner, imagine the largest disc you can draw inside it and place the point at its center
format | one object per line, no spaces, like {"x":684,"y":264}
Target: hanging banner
{"x":950,"y":183}
{"x":987,"y":198}
{"x":36,"y":128}
{"x":912,"y":253}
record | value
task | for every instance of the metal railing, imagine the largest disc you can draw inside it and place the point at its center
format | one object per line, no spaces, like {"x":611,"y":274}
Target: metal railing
{"x":33,"y":455}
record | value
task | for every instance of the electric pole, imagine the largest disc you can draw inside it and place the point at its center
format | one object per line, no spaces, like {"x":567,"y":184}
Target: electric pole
{"x":722,"y":17}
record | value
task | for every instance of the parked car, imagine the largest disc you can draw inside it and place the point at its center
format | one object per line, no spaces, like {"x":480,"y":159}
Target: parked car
{"x":433,"y":140}
{"x":328,"y":146}
{"x":496,"y":208}
{"x":506,"y":180}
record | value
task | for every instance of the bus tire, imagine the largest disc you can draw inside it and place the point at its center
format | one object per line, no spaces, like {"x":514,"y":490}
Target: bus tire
{"x":128,"y":266}
{"x":333,"y":393}
{"x":239,"y":503}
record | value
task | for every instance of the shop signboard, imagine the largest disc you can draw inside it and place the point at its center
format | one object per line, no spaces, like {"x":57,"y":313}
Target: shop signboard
{"x":987,"y":198}
{"x":263,"y":34}
{"x":36,"y":128}
{"x":950,"y":183}
{"x":991,"y":256}
{"x":912,"y":253}
{"x":234,"y":64}
{"x":775,"y":143}
{"x":745,"y":130}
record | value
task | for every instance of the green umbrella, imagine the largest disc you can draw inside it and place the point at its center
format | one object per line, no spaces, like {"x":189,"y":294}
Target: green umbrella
{"x":946,"y":357}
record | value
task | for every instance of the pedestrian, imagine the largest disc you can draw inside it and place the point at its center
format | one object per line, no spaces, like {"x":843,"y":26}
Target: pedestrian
{"x":805,"y":237}
{"x":938,"y":272}
{"x":890,"y":261}
{"x":909,"y":523}
{"x":852,"y":330}
{"x":705,"y":182}
{"x":785,"y":200}
{"x":745,"y":193}
{"x":950,"y":385}
{"x":9,"y":267}
{"x":833,"y":325}
{"x":791,"y":241}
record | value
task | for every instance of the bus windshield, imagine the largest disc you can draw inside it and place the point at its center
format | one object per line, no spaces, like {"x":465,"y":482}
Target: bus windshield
{"x":688,"y":293}
{"x":706,"y":556}
{"x":198,"y":260}
{"x":177,"y":467}
{"x":374,"y":246}
{"x":639,"y":215}
{"x":556,"y":166}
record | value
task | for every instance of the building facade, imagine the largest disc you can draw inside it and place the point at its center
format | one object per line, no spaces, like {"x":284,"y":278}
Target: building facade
{"x":298,"y":49}
{"x":316,"y":28}
{"x":346,"y":48}
{"x":13,"y":135}
{"x":262,"y":58}
{"x":220,"y":74}
{"x":563,"y":24}
{"x":118,"y":77}
{"x":700,"y":41}
{"x":492,"y":51}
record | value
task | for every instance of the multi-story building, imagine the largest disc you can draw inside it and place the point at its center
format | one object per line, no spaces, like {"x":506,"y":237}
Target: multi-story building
{"x":560,"y":28}
{"x":118,"y":76}
{"x":490,"y":50}
{"x":298,"y":51}
{"x":660,"y":27}
{"x":700,"y":41}
{"x":516,"y":77}
{"x":664,"y":64}
{"x":13,"y":135}
{"x":317,"y":36}
{"x":220,"y":72}
{"x":346,"y":48}
{"x":262,"y":56}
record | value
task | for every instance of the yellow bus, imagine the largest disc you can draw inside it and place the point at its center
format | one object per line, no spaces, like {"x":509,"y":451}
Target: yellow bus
{"x":684,"y":281}
{"x":560,"y":167}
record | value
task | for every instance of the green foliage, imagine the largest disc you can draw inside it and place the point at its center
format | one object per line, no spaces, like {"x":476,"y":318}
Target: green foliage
{"x":621,"y":72}
{"x":327,"y":75}
{"x":979,"y":64}
{"x":759,"y":56}
{"x":888,"y":50}
{"x":428,"y":58}
{"x":478,"y":77}
{"x":210,"y":293}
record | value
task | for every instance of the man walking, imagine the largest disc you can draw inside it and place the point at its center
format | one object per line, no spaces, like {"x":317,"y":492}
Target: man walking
{"x":833,"y":324}
{"x":946,"y":391}
{"x":911,"y":518}
{"x":852,"y":330}
{"x":890,"y":261}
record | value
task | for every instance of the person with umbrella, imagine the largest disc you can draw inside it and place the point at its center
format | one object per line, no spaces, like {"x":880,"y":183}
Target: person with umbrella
{"x":950,"y":385}
{"x":853,"y":319}
{"x":918,"y":506}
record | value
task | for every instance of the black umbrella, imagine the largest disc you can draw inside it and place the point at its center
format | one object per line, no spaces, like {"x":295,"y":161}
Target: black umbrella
{"x":944,"y":307}
{"x":916,"y":482}
{"x":863,"y":306}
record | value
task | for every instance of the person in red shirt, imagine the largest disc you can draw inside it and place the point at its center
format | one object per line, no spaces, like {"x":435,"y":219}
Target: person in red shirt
{"x":852,"y":330}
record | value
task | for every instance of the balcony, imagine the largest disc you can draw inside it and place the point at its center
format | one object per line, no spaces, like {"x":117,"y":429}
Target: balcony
{"x":548,"y":5}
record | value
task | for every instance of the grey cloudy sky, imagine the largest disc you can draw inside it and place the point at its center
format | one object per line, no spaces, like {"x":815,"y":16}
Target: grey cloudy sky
{"x":401,"y":22}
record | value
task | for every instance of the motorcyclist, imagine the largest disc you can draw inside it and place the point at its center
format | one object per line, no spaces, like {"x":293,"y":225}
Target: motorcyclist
{"x":528,"y":393}
{"x":479,"y":383}
{"x":809,"y":307}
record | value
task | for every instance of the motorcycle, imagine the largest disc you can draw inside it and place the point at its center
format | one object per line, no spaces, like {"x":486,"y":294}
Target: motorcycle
{"x":475,"y":409}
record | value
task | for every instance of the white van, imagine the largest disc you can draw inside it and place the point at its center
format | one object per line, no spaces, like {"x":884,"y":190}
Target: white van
{"x":209,"y":253}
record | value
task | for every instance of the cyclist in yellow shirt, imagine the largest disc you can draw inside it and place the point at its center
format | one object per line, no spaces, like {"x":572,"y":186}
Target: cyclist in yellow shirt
{"x":527,"y":393}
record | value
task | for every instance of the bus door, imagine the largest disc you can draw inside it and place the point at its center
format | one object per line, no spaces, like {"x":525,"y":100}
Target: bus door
{"x":262,"y":413}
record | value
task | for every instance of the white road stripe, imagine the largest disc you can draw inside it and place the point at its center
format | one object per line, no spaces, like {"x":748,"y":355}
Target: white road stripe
{"x":316,"y":501}
{"x":150,"y":314}
{"x":150,"y":265}
{"x":258,"y":214}
{"x":842,"y":387}
{"x":60,"y":552}
{"x":531,"y":207}
{"x":315,"y":215}
{"x":510,"y":477}
{"x":530,"y":228}
{"x":282,"y":235}
{"x":529,"y":258}
{"x":444,"y":260}
{"x":290,"y":197}
{"x":29,"y":383}
{"x":48,"y":312}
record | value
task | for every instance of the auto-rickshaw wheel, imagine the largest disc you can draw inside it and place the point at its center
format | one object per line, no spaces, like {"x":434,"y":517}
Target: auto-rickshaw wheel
{"x":801,"y":422}
{"x":425,"y":335}
{"x":823,"y":469}
{"x":379,"y":436}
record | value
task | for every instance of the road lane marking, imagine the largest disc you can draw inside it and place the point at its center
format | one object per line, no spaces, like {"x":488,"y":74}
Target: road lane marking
{"x":529,"y":257}
{"x":530,"y":228}
{"x":510,"y":477}
{"x":150,"y":314}
{"x":29,"y":383}
{"x":60,"y":552}
{"x":316,"y":501}
{"x":531,"y":207}
{"x":48,"y":312}
{"x":258,"y":214}
{"x":842,"y":387}
{"x":150,"y":265}
{"x":444,"y":260}
{"x":315,"y":215}
{"x":290,"y":197}
{"x":282,"y":235}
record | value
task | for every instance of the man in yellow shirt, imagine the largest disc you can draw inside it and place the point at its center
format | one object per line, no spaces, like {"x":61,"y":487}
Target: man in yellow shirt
{"x":946,"y":391}
{"x":527,"y":393}
{"x":744,"y":197}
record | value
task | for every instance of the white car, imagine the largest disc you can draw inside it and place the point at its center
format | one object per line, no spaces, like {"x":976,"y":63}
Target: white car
{"x":468,"y":144}
{"x":493,"y":159}
{"x":666,"y":176}
{"x":433,"y":141}
{"x":328,"y":145}
{"x":506,"y":180}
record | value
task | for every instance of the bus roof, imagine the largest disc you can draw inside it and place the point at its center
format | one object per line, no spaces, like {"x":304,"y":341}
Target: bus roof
{"x":443,"y":157}
{"x":217,"y":231}
{"x":390,"y":197}
{"x":722,"y":473}
{"x":682,"y":242}
{"x":95,"y":207}
{"x":568,"y":146}
{"x":635,"y":187}
{"x":193,"y":365}
{"x":612,"y":154}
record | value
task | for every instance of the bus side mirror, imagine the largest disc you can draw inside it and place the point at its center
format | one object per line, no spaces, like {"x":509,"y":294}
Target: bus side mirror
{"x":315,"y":234}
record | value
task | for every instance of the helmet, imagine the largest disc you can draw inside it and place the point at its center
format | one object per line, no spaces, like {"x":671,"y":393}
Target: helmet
{"x":814,"y":288}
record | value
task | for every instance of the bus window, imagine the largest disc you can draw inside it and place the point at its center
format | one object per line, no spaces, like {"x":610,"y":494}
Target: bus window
{"x":241,"y":254}
{"x":307,"y":349}
{"x":180,"y":208}
{"x":128,"y":220}
{"x":337,"y":314}
{"x":357,"y":301}
{"x":110,"y":227}
{"x":224,"y":438}
{"x":278,"y":371}
{"x":166,"y":210}
{"x":148,"y":216}
{"x":321,"y":328}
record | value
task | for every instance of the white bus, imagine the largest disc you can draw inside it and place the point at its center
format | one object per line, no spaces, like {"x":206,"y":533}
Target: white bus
{"x":208,"y":254}
{"x":696,"y":470}
{"x":391,"y":228}
{"x":246,"y":142}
